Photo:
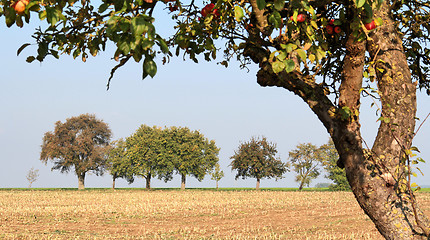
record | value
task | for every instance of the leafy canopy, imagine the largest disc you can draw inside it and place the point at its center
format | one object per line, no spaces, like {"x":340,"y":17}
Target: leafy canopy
{"x":190,"y":152}
{"x":248,"y":29}
{"x":81,"y":142}
{"x":257,"y":159}
{"x":148,"y":154}
{"x":306,"y":160}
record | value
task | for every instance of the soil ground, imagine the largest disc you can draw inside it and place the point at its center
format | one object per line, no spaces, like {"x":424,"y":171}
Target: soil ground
{"x":190,"y":214}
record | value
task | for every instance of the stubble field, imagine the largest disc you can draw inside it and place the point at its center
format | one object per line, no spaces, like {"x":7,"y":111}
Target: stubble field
{"x":190,"y":214}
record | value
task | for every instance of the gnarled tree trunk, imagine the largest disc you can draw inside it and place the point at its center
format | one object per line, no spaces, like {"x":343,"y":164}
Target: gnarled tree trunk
{"x":377,"y":176}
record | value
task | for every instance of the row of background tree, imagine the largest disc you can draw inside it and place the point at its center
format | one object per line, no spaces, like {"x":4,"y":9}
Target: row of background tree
{"x":82,"y":144}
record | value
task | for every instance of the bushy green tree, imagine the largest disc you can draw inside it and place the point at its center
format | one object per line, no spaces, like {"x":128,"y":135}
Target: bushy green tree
{"x":305,"y":160}
{"x":329,"y":53}
{"x":191,"y":153}
{"x":149,"y":155}
{"x":257,"y":159}
{"x":81,"y":143}
{"x":330,"y":158}
{"x":118,"y":164}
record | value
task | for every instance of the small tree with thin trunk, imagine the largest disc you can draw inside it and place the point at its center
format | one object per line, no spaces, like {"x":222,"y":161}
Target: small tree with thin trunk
{"x":217,"y":174}
{"x":32,"y":176}
{"x":305,"y":160}
{"x":118,"y":164}
{"x":257,"y":159}
{"x":81,"y":143}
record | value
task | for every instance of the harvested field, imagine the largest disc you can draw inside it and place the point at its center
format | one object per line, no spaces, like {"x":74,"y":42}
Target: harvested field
{"x":190,"y":214}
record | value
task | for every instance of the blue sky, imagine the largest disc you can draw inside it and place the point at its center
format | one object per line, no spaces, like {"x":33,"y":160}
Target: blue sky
{"x":226,"y":105}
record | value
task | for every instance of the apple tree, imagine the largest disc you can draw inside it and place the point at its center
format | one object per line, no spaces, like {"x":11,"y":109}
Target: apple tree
{"x":80,"y":143}
{"x":330,"y":53}
{"x":257,"y":159}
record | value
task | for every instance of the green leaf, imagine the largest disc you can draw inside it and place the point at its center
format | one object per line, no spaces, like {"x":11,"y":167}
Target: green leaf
{"x":302,"y":54}
{"x":139,"y":25}
{"x":163,"y":45}
{"x":413,"y":148}
{"x":52,"y":16}
{"x":314,"y":24}
{"x":103,"y":7}
{"x":368,"y":9}
{"x":345,"y":113}
{"x":54,"y":53}
{"x":261,"y":4}
{"x":279,"y":4}
{"x":238,"y":13}
{"x":42,"y":15}
{"x":124,"y":47}
{"x":30,"y":59}
{"x":290,"y":47}
{"x":312,"y":58}
{"x":10,"y":16}
{"x":22,"y":48}
{"x":278,"y":66}
{"x":150,"y":67}
{"x":282,"y":56}
{"x":379,"y":21}
{"x":275,"y":19}
{"x":360,"y":3}
{"x":289,"y":65}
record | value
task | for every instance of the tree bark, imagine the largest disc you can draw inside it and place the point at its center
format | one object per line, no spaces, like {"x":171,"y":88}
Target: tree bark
{"x":183,"y":179}
{"x":301,"y":186}
{"x":113,"y":182}
{"x":148,"y":181}
{"x":383,"y":192}
{"x":258,"y":184}
{"x":81,"y":181}
{"x":216,"y":185}
{"x":377,"y":177}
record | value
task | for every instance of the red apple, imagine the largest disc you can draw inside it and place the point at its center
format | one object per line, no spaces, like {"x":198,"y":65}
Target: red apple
{"x":216,"y":13}
{"x":337,"y":29}
{"x":371,"y":25}
{"x":301,"y":18}
{"x":331,"y":22}
{"x":329,"y":29}
{"x":208,"y":9}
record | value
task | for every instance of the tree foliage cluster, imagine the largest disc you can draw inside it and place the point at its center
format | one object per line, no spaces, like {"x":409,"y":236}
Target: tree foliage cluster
{"x":307,"y":160}
{"x":257,"y":159}
{"x":156,"y":152}
{"x":82,"y":144}
{"x":79,"y":144}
